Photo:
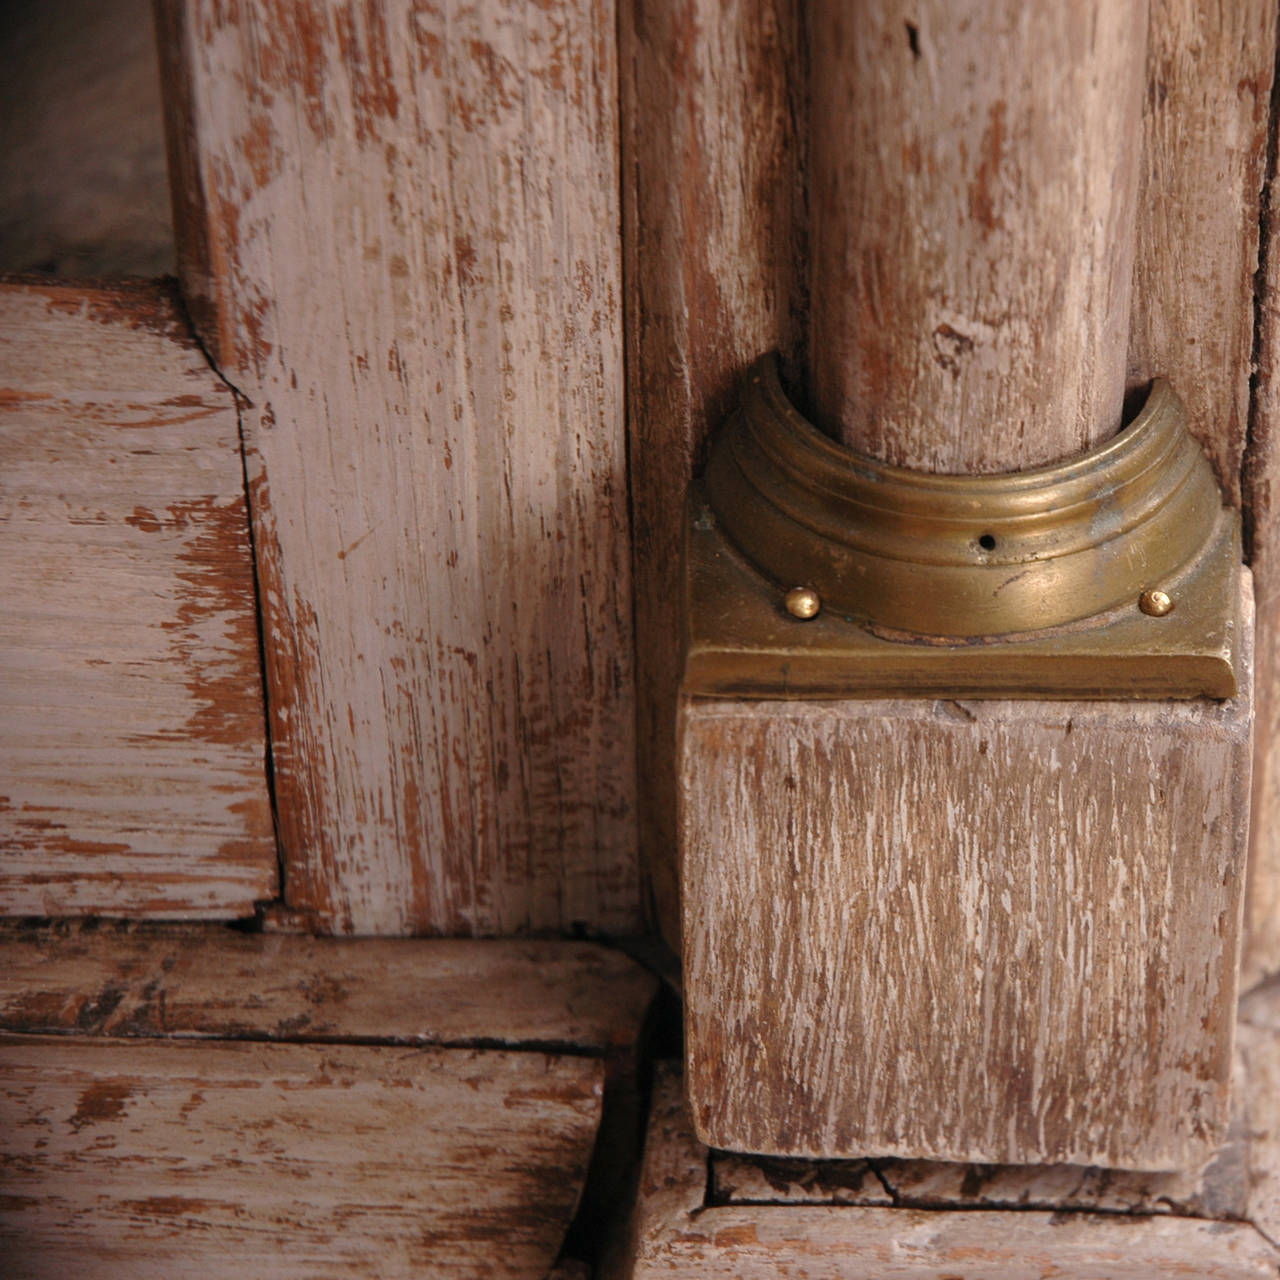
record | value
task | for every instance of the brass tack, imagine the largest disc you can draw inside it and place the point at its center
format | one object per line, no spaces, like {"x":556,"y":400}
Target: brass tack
{"x":803,"y":602}
{"x":1155,"y":602}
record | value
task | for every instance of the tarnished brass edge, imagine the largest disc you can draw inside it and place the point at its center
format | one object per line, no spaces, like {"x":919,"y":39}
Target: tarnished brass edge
{"x":740,"y":641}
{"x":960,"y":555}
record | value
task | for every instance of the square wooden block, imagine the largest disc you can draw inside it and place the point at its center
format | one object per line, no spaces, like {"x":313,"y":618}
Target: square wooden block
{"x":1001,"y":931}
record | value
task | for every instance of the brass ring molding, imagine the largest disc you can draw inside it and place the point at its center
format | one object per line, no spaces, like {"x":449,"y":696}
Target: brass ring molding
{"x":960,"y":556}
{"x":814,"y":572}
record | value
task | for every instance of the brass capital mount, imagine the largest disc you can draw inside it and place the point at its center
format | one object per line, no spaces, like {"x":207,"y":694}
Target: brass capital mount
{"x":813,"y":571}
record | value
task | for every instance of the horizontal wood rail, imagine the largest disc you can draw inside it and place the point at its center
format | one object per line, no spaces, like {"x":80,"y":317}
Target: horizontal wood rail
{"x":133,"y":771}
{"x":196,"y":1102}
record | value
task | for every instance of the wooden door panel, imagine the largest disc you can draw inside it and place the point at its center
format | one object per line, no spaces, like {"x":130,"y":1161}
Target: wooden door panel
{"x":132,"y":730}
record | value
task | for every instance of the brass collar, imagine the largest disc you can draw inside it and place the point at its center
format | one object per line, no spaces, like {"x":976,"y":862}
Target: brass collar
{"x":960,"y":556}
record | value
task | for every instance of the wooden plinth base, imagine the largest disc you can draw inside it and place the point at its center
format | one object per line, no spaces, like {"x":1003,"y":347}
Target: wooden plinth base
{"x":1004,"y":931}
{"x":706,"y":1214}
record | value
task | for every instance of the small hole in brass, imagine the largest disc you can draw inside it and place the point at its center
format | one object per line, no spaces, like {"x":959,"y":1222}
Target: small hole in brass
{"x":987,"y":542}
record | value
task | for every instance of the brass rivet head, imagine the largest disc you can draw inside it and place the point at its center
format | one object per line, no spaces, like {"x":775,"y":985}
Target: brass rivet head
{"x":1155,"y":603}
{"x":803,"y":602}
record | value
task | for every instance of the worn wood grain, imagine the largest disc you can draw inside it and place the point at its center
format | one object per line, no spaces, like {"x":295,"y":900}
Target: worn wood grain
{"x":1208,"y":90}
{"x":973,"y":170}
{"x":1200,"y":217}
{"x":132,"y":735}
{"x":122,"y":981}
{"x":713,"y":139}
{"x":1259,"y":1048}
{"x":165,"y":982}
{"x":120,"y":1158}
{"x":1262,"y":922}
{"x":676,"y":1233}
{"x":1241,"y":1183}
{"x":1004,"y":932}
{"x":399,"y":230}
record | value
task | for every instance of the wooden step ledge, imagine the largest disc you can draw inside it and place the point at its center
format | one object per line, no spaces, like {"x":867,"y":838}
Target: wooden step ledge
{"x":223,"y":1158}
{"x":199,"y":1102}
{"x":124,"y":980}
{"x":705,"y":1214}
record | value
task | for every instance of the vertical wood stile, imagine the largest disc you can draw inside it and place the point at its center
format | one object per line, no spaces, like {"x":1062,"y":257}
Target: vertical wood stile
{"x":1208,"y":92}
{"x":973,"y":172}
{"x":399,"y":236}
{"x":713,"y":137}
{"x":1205,"y":131}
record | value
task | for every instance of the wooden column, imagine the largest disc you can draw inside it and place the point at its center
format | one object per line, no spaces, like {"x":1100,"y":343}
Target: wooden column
{"x":973,"y":173}
{"x":1002,"y":931}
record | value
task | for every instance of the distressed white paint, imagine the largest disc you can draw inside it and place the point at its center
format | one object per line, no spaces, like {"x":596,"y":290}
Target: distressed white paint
{"x":132,"y":730}
{"x":134,"y":1159}
{"x":1004,"y":932}
{"x":973,"y":168}
{"x":399,"y":228}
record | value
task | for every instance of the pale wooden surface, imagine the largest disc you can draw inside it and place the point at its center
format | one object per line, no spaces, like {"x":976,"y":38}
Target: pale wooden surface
{"x":1258,"y":1034}
{"x":214,"y":982}
{"x":982,"y":931}
{"x":1209,"y":82}
{"x":1242,"y":1183}
{"x":676,"y":1233}
{"x":1208,"y":90}
{"x":973,"y":167}
{"x":182,"y":983}
{"x":1262,"y":920}
{"x":132,"y":736}
{"x":713,"y":134}
{"x":398,"y":229}
{"x":130,"y":1159}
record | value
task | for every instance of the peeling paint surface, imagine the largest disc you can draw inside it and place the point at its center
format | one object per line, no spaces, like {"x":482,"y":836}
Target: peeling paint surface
{"x":994,"y":931}
{"x":132,"y":726}
{"x":403,"y":247}
{"x":133,"y":1159}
